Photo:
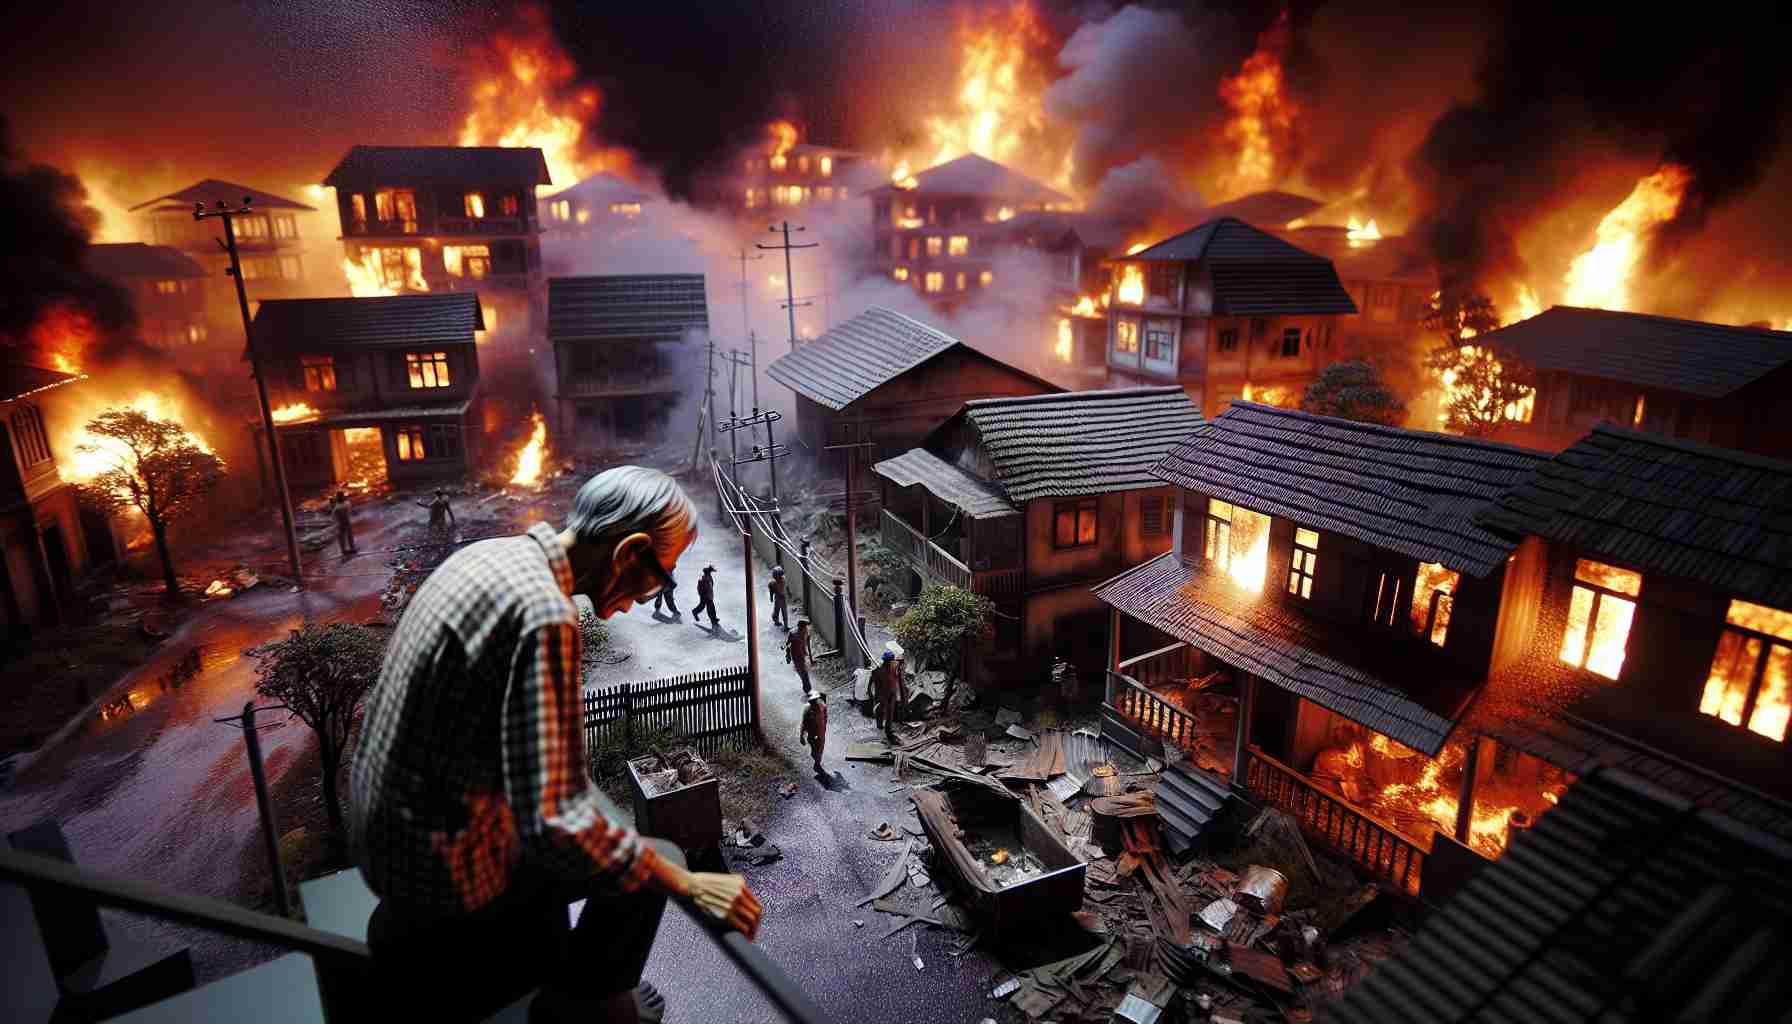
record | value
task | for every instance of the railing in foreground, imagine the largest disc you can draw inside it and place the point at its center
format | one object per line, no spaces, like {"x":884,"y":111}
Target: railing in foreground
{"x":1372,"y":843}
{"x":35,"y":873}
{"x":1155,"y":715}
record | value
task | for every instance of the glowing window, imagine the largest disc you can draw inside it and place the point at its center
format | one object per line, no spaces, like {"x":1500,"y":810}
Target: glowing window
{"x":827,"y":166}
{"x":1750,"y":684}
{"x":961,"y":280}
{"x":1237,"y":543}
{"x":935,"y":281}
{"x":427,"y":369}
{"x":410,"y":444}
{"x":358,"y":207}
{"x":827,"y":191}
{"x":933,"y":245}
{"x":33,"y":442}
{"x":508,"y":205}
{"x":1599,"y":612}
{"x":958,"y":245}
{"x":914,"y":248}
{"x":802,"y":164}
{"x":475,"y":205}
{"x":320,"y":372}
{"x":1074,"y":523}
{"x":1306,"y":559}
{"x":290,"y":268}
{"x":1636,"y":417}
{"x":752,"y":199}
{"x":252,"y":227}
{"x":168,"y":287}
{"x":1126,"y":336}
{"x":467,"y":260}
{"x":286,"y":226}
{"x":900,"y":273}
{"x":1433,"y":597}
{"x":986,"y":278}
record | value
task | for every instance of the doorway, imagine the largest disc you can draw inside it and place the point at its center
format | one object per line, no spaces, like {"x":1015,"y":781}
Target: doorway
{"x":62,"y":580}
{"x":362,"y":460}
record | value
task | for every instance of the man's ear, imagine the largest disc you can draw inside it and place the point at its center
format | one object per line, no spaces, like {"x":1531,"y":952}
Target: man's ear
{"x":625,"y":556}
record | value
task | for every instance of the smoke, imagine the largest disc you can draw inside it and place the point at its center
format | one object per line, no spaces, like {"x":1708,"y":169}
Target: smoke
{"x":1145,"y":198}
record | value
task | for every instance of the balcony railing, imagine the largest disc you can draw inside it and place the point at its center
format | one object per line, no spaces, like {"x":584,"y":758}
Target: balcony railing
{"x":1154,"y":715}
{"x":1369,"y":841}
{"x":596,"y":384}
{"x":484,"y":226}
{"x":941,"y":566}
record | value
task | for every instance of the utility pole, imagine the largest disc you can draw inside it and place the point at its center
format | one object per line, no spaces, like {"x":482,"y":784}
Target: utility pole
{"x":270,"y":833}
{"x":769,"y":454}
{"x":744,"y":260}
{"x":225,"y":213}
{"x":853,"y":503}
{"x":736,"y":360}
{"x":789,"y":283}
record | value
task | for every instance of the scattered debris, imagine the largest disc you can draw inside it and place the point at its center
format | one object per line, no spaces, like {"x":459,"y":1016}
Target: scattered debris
{"x":1004,"y":987}
{"x":1263,"y":889}
{"x":885,"y":833}
{"x":1146,"y":1000}
{"x":1019,"y":732}
{"x":856,"y":923}
{"x":1219,"y":914}
{"x":787,"y":790}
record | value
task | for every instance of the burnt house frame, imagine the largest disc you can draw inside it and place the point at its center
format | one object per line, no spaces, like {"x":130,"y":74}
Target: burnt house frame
{"x":624,"y":349}
{"x":406,"y":365}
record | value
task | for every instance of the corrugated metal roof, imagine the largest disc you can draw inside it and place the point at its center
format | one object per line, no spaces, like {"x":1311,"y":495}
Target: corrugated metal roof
{"x":977,"y":176}
{"x":436,"y":318}
{"x":1623,"y":903}
{"x":211,"y":191}
{"x":128,"y":260}
{"x":1323,"y":662}
{"x":1408,"y":491}
{"x":947,"y":482}
{"x":1083,"y":442}
{"x":18,"y":380}
{"x":1719,"y":517}
{"x":858,"y":355}
{"x":1709,"y":360}
{"x":634,"y":307}
{"x":440,"y":165}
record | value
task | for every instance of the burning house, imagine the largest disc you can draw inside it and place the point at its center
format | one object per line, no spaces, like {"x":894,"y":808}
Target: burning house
{"x":1229,"y":312}
{"x":1723,"y":385}
{"x":371,"y":389}
{"x":883,"y":377}
{"x":601,"y":206}
{"x":624,"y":351}
{"x":445,"y":218}
{"x":43,"y":536}
{"x":784,"y":173}
{"x":923,"y":226}
{"x":1027,"y":501}
{"x":167,"y":288}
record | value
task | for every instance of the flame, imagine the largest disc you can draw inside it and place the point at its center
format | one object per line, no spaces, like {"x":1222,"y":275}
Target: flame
{"x":1361,"y":234}
{"x":1435,"y":792}
{"x":1516,"y":412}
{"x":218,"y":588}
{"x":1600,"y":277}
{"x":529,"y":459}
{"x":902,"y":178}
{"x":1066,"y":341}
{"x":1085,"y":306}
{"x":532,"y":99}
{"x":61,"y":336}
{"x":783,"y":135}
{"x":367,"y":279}
{"x":1132,"y":285}
{"x":1137,"y":247}
{"x":293,"y":413}
{"x":999,"y":857}
{"x":1262,"y":114}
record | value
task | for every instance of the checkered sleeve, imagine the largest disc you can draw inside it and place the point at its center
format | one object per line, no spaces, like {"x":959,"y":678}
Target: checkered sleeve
{"x":559,"y":819}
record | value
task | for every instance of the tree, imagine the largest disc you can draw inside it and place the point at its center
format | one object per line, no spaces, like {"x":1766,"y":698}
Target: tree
{"x":321,"y":673}
{"x":940,"y":625}
{"x":1354,"y":391}
{"x":1484,"y":387}
{"x":1456,"y":316}
{"x":156,"y":468}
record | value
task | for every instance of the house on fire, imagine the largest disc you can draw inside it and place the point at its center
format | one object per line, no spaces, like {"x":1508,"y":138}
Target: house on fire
{"x":167,"y":289}
{"x":447,"y":218}
{"x":799,"y":174}
{"x":597,"y":206}
{"x":44,"y":538}
{"x":1229,"y":312}
{"x":1714,"y":383}
{"x":625,"y":348}
{"x":1029,"y":500}
{"x":373,"y":387}
{"x":922,"y":229}
{"x":885,"y":378}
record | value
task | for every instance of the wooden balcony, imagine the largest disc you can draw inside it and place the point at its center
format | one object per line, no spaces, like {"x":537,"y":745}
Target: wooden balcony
{"x":1330,"y":819}
{"x":938,"y":565}
{"x":621,"y":382}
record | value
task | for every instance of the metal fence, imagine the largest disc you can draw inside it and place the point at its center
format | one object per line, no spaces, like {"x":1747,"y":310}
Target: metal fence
{"x":709,"y":709}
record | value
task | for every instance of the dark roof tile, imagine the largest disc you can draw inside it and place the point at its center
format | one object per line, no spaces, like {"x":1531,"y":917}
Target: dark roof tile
{"x":211,"y":191}
{"x":633,"y":307}
{"x":438,"y":318}
{"x":1705,"y":359}
{"x":975,"y":497}
{"x":1083,"y":442}
{"x":440,"y":165}
{"x":977,"y":176}
{"x":128,"y":260}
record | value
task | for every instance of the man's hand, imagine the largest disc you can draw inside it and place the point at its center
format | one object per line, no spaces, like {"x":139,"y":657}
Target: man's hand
{"x":727,"y":899}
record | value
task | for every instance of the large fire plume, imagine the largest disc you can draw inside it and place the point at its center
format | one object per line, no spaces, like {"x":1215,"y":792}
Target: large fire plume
{"x":1263,"y":115}
{"x":1601,"y":276}
{"x":533,"y":453}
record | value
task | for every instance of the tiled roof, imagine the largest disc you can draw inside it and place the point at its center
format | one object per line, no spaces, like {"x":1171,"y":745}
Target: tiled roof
{"x":976,"y":176}
{"x":1266,"y":209}
{"x":1256,"y":273}
{"x":947,"y":482}
{"x":1709,"y":360}
{"x":1047,"y":228}
{"x":440,"y":165}
{"x":127,"y":260}
{"x":1083,"y":442}
{"x":603,"y":188}
{"x":1323,"y":662}
{"x":1664,"y":505}
{"x":211,"y":191}
{"x":18,"y":380}
{"x":858,"y":355}
{"x":1227,"y":240}
{"x":1405,"y":490}
{"x":631,"y":307}
{"x":1623,"y":903}
{"x":436,"y":318}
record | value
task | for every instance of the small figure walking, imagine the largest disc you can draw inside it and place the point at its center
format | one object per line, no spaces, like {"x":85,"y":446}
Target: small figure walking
{"x":886,"y":688}
{"x":815,"y":726}
{"x":780,"y":599}
{"x":796,"y":651}
{"x":706,"y":598}
{"x":345,"y":524}
{"x":442,"y":523}
{"x":665,"y":597}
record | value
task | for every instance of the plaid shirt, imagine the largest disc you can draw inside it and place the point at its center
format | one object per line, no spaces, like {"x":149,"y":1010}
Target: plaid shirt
{"x":472,"y":751}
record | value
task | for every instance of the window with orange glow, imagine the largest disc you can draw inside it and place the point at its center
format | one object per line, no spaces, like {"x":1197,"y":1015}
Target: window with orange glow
{"x":933,"y":245}
{"x":410,"y":444}
{"x":467,"y":260}
{"x":1432,"y":599}
{"x":404,"y":206}
{"x":1074,"y":523}
{"x":1306,"y":559}
{"x":986,"y":278}
{"x":1750,"y":684}
{"x":358,"y":207}
{"x":1600,"y":608}
{"x":960,"y":281}
{"x":900,"y":273}
{"x":508,"y":205}
{"x":935,"y":281}
{"x":1238,"y":543}
{"x":427,"y":369}
{"x":827,"y":166}
{"x":1126,"y":336}
{"x":320,"y":372}
{"x":958,"y":245}
{"x":475,"y":205}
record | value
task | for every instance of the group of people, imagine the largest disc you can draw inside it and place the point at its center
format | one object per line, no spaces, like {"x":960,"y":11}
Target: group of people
{"x":442,"y":523}
{"x":706,"y":598}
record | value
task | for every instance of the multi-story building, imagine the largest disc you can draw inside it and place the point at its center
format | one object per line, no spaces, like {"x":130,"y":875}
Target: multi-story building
{"x":167,"y":289}
{"x":43,"y":537}
{"x":982,"y":506}
{"x":447,"y":218}
{"x":625,"y":349}
{"x":1228,"y":311}
{"x":803,"y":174}
{"x":602,"y":206}
{"x":372,"y":388}
{"x":929,"y":229}
{"x":1723,"y":385}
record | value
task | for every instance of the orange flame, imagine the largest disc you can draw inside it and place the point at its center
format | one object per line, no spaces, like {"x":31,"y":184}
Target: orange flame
{"x":1066,"y":341}
{"x":1361,"y":234}
{"x":61,"y":336}
{"x":293,"y":413}
{"x":1085,"y":306}
{"x":1262,"y":114}
{"x":83,"y":456}
{"x":783,"y":135}
{"x":1600,"y":277}
{"x":529,"y":459}
{"x":1132,"y":285}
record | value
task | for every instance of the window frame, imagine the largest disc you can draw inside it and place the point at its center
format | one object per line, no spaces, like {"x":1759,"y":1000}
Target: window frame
{"x":1303,"y":564}
{"x":1226,"y":340}
{"x":1126,"y":336}
{"x":435,"y":361}
{"x":1289,"y":334}
{"x":318,"y":372}
{"x":1155,"y":336}
{"x":1757,"y":674}
{"x":935,"y":246}
{"x":1600,"y":593}
{"x":1081,"y":510}
{"x":933,"y":282}
{"x":1153,"y":522}
{"x":1442,"y":596}
{"x":411,"y":438}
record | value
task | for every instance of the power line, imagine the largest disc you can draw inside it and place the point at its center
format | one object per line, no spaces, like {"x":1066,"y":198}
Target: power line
{"x":790,"y":302}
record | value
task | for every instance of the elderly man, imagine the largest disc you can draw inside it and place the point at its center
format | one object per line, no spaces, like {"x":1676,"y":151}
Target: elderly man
{"x":473,"y":813}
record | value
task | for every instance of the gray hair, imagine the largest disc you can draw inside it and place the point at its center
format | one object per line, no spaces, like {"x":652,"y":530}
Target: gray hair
{"x":632,"y":499}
